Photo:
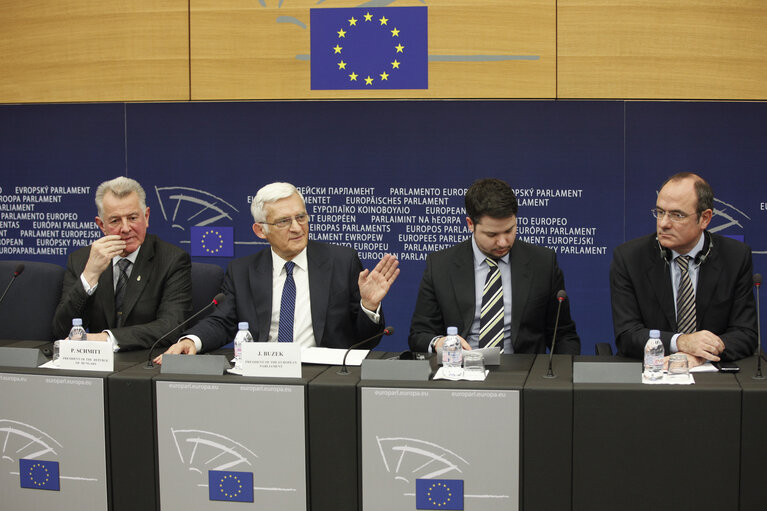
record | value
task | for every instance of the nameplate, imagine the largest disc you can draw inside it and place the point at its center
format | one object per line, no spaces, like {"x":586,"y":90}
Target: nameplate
{"x":408,"y":370}
{"x":86,"y":355}
{"x":271,"y":359}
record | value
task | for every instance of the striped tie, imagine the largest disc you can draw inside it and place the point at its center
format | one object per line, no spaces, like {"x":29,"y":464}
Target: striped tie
{"x":288,"y":305}
{"x":122,"y":282}
{"x":491,"y":315}
{"x":685,"y":300}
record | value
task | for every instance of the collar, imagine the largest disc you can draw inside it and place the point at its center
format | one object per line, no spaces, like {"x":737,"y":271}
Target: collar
{"x":130,"y":257}
{"x":278,"y":263}
{"x":479,"y":257}
{"x":695,"y":250}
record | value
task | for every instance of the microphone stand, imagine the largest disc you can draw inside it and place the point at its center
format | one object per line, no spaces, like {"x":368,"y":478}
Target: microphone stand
{"x":758,"y":285}
{"x":561,"y":295}
{"x":386,"y":331}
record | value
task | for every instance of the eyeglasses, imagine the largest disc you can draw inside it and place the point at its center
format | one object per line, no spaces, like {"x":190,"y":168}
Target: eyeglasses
{"x":675,"y":216}
{"x":284,"y":223}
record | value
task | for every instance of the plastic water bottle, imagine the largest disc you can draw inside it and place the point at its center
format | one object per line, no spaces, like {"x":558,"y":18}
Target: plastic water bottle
{"x":653,"y":357}
{"x":452,"y":354}
{"x":77,"y":333}
{"x":243,"y":335}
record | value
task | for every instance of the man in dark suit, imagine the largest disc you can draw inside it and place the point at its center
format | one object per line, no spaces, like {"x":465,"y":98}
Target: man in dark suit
{"x":692,"y":285}
{"x":498,"y":291}
{"x":129,"y":287}
{"x":298,"y":291}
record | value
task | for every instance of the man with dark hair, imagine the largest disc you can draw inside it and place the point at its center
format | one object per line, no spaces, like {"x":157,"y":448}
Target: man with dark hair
{"x":692,"y":285}
{"x":129,"y":287}
{"x":498,"y":291}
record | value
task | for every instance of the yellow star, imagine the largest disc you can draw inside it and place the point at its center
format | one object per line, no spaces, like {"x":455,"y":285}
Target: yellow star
{"x":353,"y":21}
{"x":368,"y":16}
{"x":342,"y":65}
{"x":383,"y":20}
{"x":384,"y":76}
{"x":368,"y":80}
{"x":399,"y":48}
{"x":353,"y":76}
{"x":341,"y":33}
{"x":395,"y":64}
{"x":337,"y":49}
{"x":395,"y":32}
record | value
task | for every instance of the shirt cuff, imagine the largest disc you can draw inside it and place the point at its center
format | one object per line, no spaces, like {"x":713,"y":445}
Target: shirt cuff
{"x":113,"y":340}
{"x":674,"y":337}
{"x":375,"y":317}
{"x":87,"y":287}
{"x":195,"y":339}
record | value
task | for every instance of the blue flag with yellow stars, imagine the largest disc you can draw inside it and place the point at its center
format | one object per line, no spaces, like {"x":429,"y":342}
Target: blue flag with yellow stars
{"x":39,"y":474}
{"x":369,"y":48}
{"x":439,"y":494}
{"x":230,"y":486}
{"x":212,"y":241}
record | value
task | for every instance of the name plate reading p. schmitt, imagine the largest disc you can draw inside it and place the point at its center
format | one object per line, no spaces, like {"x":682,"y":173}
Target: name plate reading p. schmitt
{"x":271,"y":359}
{"x":86,"y":355}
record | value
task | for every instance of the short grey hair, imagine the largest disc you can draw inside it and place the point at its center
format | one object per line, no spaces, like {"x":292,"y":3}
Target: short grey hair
{"x":268,"y":194}
{"x":120,"y":187}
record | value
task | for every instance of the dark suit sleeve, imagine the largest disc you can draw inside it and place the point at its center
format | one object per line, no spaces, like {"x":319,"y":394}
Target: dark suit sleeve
{"x":631,"y":334}
{"x":568,"y":342}
{"x":740,"y":337}
{"x":365,"y":327}
{"x":73,"y":299}
{"x":175,"y":302}
{"x":220,"y":326}
{"x":428,"y":321}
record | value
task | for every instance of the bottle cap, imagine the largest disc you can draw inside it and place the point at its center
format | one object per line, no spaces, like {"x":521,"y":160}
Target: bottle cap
{"x":655,"y":334}
{"x":77,"y":322}
{"x":452,"y":330}
{"x":243,"y":325}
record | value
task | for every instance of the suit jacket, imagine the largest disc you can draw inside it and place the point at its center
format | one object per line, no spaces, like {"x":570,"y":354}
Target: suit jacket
{"x":338,"y":320}
{"x":643,"y":297}
{"x":447,"y":298}
{"x":158,"y":296}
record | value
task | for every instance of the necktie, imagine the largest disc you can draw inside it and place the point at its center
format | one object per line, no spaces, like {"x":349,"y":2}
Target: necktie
{"x":685,"y":299}
{"x":288,"y":305}
{"x":122,"y":282}
{"x":491,"y":314}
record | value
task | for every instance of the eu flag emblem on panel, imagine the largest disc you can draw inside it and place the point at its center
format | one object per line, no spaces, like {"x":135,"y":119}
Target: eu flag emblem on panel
{"x":39,"y":474}
{"x":230,"y":486}
{"x":212,"y":241}
{"x":375,"y":48}
{"x":439,"y":493}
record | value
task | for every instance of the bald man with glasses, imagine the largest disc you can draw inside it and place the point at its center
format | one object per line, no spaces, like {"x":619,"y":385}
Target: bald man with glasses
{"x":302,"y":291}
{"x":692,"y":285}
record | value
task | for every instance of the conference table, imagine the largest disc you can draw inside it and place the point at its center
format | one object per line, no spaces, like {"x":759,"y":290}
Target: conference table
{"x":139,"y":439}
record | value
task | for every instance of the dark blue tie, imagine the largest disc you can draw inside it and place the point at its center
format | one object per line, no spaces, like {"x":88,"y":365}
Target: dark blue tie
{"x":288,"y":305}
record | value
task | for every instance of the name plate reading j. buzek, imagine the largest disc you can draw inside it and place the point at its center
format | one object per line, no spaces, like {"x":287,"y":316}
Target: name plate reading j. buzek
{"x":86,"y":355}
{"x":272,"y":359}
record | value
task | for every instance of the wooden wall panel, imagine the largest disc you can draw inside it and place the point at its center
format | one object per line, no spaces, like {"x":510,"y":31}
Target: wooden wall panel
{"x":662,"y":49}
{"x":80,"y":50}
{"x":246,"y":49}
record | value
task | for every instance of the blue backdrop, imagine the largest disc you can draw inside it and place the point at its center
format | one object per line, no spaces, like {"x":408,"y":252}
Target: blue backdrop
{"x":385,"y":176}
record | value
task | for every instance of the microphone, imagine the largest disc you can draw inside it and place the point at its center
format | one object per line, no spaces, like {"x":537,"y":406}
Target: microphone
{"x":757,"y":285}
{"x":18,"y":271}
{"x":561,"y":295}
{"x":216,"y":300}
{"x":386,"y":331}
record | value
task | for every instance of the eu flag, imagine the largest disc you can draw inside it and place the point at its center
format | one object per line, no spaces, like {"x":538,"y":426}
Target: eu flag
{"x":230,"y":486}
{"x":439,"y":493}
{"x":212,"y":241}
{"x":369,"y":48}
{"x":39,"y":474}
